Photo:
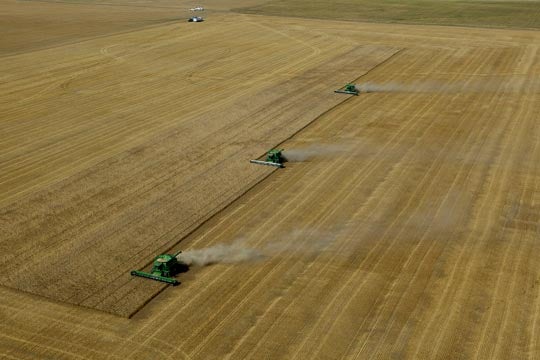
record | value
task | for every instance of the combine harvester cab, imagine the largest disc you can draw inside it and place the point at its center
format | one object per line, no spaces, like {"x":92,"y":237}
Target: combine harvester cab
{"x":348,"y":89}
{"x":165,"y":267}
{"x":273,"y":158}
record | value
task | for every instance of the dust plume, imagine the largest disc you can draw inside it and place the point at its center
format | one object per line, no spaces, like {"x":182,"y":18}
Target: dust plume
{"x":316,"y":150}
{"x":231,"y":253}
{"x":397,"y":87}
{"x":514,"y":84}
{"x":300,"y":242}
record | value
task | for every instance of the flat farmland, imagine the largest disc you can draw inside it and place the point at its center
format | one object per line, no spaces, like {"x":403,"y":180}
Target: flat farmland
{"x":404,"y":225}
{"x":29,"y":25}
{"x":125,"y":124}
{"x":523,"y":14}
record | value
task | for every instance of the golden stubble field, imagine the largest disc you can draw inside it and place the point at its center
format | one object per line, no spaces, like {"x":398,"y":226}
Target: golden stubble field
{"x":407,"y":229}
{"x":120,"y":147}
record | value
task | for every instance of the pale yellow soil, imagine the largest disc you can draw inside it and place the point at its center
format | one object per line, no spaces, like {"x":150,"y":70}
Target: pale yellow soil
{"x":424,"y":196}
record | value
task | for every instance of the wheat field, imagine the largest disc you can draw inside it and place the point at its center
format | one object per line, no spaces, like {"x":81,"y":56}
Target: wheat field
{"x":403,"y":226}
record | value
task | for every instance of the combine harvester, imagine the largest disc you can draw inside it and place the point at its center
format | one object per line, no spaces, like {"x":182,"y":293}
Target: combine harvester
{"x":273,"y":158}
{"x":348,"y":89}
{"x":165,"y":267}
{"x":195,"y":19}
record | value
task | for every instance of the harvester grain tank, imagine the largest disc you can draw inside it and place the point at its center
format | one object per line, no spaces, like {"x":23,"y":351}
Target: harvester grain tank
{"x":274,"y":157}
{"x":165,"y":267}
{"x":348,"y":89}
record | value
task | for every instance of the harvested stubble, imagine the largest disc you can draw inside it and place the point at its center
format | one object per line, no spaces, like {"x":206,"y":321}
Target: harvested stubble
{"x":163,"y":124}
{"x":432,"y":208}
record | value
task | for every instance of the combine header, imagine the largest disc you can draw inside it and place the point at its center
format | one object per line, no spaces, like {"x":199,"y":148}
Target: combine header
{"x":165,"y":267}
{"x":348,"y":89}
{"x":273,"y":158}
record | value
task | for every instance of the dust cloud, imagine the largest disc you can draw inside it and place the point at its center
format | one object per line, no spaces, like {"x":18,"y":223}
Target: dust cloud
{"x":299,"y":242}
{"x":316,"y":150}
{"x":222,"y":253}
{"x":515,"y":84}
{"x":397,"y":87}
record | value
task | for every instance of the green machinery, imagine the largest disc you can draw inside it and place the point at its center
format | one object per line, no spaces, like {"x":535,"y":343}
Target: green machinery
{"x":165,"y":267}
{"x":273,"y":158}
{"x":348,"y":89}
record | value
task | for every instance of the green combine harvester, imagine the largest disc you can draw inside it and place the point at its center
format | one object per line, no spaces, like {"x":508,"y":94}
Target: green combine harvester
{"x":165,"y":267}
{"x":348,"y":89}
{"x":273,"y":158}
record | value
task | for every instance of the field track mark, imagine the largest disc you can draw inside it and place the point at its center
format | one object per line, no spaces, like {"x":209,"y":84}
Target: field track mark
{"x":393,"y":143}
{"x":316,"y":50}
{"x":412,"y":281}
{"x":535,"y":318}
{"x":26,"y":342}
{"x":50,"y":340}
{"x":54,"y":84}
{"x":78,"y":327}
{"x":322,"y":342}
{"x":423,"y":186}
{"x":481,"y":136}
{"x":476,"y":253}
{"x":523,"y":248}
{"x":413,"y":315}
{"x":437,"y":310}
{"x":520,"y":244}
